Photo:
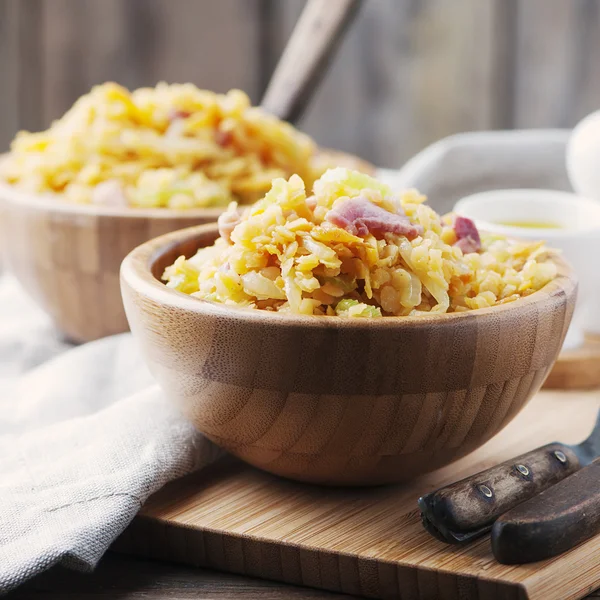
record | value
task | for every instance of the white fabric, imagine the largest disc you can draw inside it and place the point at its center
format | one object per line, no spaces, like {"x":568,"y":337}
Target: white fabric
{"x":85,"y":435}
{"x":475,"y":162}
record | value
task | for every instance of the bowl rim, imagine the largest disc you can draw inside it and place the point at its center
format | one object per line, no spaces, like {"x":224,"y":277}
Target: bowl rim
{"x":136,"y":273}
{"x":539,"y":196}
{"x":48,"y":203}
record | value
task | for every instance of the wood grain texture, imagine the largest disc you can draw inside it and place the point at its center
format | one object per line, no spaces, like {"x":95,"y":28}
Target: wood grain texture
{"x":368,"y":541}
{"x":577,"y":369}
{"x":9,"y":67}
{"x":409,"y":72}
{"x":141,"y":42}
{"x":68,"y":257}
{"x":554,"y":77}
{"x":334,"y":400}
{"x":128,"y":578}
{"x":121,"y":577}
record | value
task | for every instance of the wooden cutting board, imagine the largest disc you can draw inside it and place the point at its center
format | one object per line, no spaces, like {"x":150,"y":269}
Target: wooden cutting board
{"x":367,"y":542}
{"x":577,"y":369}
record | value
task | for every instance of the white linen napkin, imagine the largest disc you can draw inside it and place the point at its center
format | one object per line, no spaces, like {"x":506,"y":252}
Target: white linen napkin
{"x":85,"y":434}
{"x":468,"y":163}
{"x":85,"y":437}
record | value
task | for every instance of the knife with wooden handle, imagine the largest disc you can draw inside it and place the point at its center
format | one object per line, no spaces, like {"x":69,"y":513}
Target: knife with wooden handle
{"x":463,"y":511}
{"x":552,"y":522}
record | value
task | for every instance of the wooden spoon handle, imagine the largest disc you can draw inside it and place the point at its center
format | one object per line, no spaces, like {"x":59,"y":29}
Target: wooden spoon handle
{"x":307,"y":55}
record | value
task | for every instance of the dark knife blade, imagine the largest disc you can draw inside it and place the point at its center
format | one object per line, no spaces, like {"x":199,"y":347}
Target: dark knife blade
{"x":552,"y":522}
{"x":466,"y":510}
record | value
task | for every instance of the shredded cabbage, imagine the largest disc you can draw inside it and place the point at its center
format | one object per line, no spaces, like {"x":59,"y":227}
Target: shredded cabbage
{"x":354,"y":308}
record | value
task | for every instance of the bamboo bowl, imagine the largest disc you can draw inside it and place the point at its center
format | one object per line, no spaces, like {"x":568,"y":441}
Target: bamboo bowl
{"x":67,"y":257}
{"x":339,"y":401}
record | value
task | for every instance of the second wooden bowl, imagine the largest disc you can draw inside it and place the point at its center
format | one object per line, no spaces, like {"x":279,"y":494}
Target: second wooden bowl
{"x":341,"y":401}
{"x":68,"y":256}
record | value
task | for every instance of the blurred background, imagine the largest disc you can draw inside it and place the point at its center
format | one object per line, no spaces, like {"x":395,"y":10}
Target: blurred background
{"x":408,"y":73}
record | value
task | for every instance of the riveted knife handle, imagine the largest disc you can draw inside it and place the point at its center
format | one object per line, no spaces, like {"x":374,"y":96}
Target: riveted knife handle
{"x":552,"y":522}
{"x":467,"y":509}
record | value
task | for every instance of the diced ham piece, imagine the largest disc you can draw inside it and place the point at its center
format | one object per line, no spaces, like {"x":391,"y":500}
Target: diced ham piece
{"x":176,"y":113}
{"x":468,"y":245}
{"x":227,"y":222}
{"x":468,"y":239}
{"x":360,"y":216}
{"x":109,"y":193}
{"x":223,"y":138}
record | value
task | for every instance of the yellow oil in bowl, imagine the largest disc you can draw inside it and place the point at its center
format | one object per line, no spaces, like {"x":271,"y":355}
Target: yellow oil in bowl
{"x":531,"y":224}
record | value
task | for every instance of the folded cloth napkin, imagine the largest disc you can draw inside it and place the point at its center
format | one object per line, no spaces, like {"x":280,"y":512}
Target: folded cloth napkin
{"x":468,"y":163}
{"x":85,"y":434}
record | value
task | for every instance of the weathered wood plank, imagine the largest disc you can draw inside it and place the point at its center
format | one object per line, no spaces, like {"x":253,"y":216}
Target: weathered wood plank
{"x":140,"y":42}
{"x":587,"y":41}
{"x":502,"y":65}
{"x":30,"y":73}
{"x":408,"y":73}
{"x":556,"y":79}
{"x":9,"y":61}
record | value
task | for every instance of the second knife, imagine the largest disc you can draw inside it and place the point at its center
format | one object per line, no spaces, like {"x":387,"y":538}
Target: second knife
{"x":467,"y":509}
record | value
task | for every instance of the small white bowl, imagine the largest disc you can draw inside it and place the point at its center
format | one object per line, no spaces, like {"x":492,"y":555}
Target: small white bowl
{"x":577,"y":236}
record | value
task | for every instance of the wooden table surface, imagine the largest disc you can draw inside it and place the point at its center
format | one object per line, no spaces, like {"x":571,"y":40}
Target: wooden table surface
{"x":120,"y":577}
{"x":123,"y":578}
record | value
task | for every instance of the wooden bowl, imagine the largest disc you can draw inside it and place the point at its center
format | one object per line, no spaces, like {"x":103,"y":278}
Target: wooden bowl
{"x":68,"y":256}
{"x":334,"y":400}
